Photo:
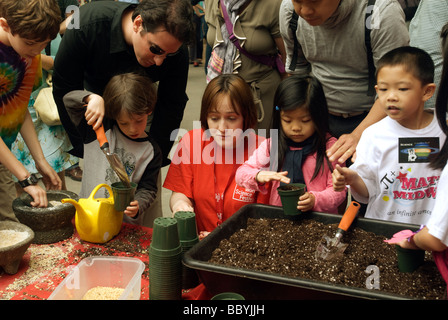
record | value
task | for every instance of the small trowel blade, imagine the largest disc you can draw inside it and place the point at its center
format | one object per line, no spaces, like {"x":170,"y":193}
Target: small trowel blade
{"x":328,"y":248}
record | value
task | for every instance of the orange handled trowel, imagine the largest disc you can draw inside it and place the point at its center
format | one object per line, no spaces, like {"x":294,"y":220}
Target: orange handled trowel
{"x":330,"y":248}
{"x":113,"y":159}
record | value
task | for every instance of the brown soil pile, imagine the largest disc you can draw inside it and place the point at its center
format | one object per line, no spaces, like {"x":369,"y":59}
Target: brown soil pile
{"x":285,"y":247}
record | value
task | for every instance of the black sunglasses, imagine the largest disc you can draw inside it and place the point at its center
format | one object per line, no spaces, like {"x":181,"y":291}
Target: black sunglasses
{"x":158,"y":51}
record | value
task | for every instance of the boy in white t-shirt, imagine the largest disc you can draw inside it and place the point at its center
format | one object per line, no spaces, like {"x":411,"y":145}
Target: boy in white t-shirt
{"x":434,"y":236}
{"x":391,"y":171}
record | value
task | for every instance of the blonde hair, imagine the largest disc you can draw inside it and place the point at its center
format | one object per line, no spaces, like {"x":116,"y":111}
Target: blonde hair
{"x":37,"y":20}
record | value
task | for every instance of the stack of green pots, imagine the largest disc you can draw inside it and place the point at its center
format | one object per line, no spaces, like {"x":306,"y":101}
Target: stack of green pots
{"x":165,"y":264}
{"x":188,"y":235}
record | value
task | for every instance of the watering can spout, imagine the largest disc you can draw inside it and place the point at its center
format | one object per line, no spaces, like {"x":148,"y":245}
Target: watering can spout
{"x":75,"y":203}
{"x":81,"y":217}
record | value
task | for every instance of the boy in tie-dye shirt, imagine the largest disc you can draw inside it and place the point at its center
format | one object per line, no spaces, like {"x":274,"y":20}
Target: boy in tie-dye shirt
{"x":26,"y":27}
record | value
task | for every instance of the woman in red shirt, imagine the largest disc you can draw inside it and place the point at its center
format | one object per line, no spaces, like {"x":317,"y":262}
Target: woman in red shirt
{"x":202,"y":170}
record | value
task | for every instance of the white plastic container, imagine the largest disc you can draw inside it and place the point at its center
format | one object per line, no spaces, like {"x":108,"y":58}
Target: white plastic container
{"x":102,"y":271}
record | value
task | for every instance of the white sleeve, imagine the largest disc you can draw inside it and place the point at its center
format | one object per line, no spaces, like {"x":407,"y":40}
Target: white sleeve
{"x":438,"y":222}
{"x":366,"y":165}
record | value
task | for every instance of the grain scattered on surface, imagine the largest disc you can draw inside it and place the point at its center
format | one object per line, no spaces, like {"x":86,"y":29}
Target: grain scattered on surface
{"x":45,"y":263}
{"x":11,"y":237}
{"x":55,"y":203}
{"x":103,"y":293}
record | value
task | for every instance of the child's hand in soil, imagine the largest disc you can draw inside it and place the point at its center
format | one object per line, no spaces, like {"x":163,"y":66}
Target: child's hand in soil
{"x":306,"y":202}
{"x":266,"y":176}
{"x":132,"y":209}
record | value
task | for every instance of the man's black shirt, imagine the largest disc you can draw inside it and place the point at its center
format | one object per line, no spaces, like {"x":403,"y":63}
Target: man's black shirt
{"x":92,"y":54}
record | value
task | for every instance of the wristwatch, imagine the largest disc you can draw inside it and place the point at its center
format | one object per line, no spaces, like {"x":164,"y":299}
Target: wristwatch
{"x":32,"y":179}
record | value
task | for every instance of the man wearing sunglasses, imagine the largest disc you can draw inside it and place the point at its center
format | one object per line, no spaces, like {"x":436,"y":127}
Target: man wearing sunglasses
{"x":117,"y":37}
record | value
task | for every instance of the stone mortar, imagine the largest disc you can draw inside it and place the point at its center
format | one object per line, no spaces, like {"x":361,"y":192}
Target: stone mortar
{"x":51,"y":224}
{"x":11,"y":256}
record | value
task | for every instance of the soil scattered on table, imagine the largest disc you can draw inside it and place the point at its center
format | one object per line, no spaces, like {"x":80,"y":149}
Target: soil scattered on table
{"x":287,"y":247}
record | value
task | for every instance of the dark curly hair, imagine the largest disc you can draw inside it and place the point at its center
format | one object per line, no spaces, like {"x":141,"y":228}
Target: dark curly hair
{"x":176,"y":16}
{"x":440,"y":161}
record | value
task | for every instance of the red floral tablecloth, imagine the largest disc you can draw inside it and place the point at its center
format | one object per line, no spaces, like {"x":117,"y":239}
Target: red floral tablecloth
{"x":44,"y":266}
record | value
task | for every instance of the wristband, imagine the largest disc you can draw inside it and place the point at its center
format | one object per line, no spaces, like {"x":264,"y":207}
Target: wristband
{"x":411,"y":238}
{"x":257,"y":176}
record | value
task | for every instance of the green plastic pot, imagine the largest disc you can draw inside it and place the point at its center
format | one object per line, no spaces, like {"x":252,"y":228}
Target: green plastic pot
{"x":188,"y":235}
{"x":409,"y":259}
{"x":186,"y":225}
{"x":123,"y":195}
{"x":289,"y":195}
{"x":165,"y":236}
{"x":228,"y":296}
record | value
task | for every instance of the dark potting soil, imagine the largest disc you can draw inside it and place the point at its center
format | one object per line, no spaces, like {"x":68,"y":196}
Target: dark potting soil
{"x":287,"y":247}
{"x":290,"y":188}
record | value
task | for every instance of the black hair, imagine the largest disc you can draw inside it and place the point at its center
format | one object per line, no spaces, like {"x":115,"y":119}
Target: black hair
{"x":414,"y":60}
{"x":303,"y":92}
{"x":175,"y":16}
{"x":440,"y":160}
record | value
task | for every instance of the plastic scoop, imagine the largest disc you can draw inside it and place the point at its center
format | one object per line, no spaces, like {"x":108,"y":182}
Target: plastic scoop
{"x":400,"y":236}
{"x":330,"y":248}
{"x":113,"y":159}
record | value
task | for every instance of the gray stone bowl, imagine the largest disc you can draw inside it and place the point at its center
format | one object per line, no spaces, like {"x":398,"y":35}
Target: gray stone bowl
{"x":51,"y":224}
{"x":11,"y":256}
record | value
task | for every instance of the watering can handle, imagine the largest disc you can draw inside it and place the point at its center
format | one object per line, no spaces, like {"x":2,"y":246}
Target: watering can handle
{"x":95,"y":190}
{"x":101,"y":136}
{"x":349,"y":215}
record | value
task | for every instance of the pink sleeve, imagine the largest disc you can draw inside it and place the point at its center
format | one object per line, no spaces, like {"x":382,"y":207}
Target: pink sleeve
{"x":441,"y":260}
{"x":245,"y":175}
{"x":327,"y":200}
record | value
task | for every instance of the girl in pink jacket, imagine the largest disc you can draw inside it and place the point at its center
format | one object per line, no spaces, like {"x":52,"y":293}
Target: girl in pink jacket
{"x":298,"y":143}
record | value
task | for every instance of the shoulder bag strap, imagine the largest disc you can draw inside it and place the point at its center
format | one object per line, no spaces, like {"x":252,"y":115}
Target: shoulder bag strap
{"x":293,"y":26}
{"x":265,"y":59}
{"x":370,"y":63}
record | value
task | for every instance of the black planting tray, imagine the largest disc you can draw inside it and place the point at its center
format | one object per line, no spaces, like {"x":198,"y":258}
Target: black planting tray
{"x":257,"y":285}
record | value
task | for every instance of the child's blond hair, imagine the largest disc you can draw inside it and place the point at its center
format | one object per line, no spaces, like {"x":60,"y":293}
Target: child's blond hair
{"x":37,"y":20}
